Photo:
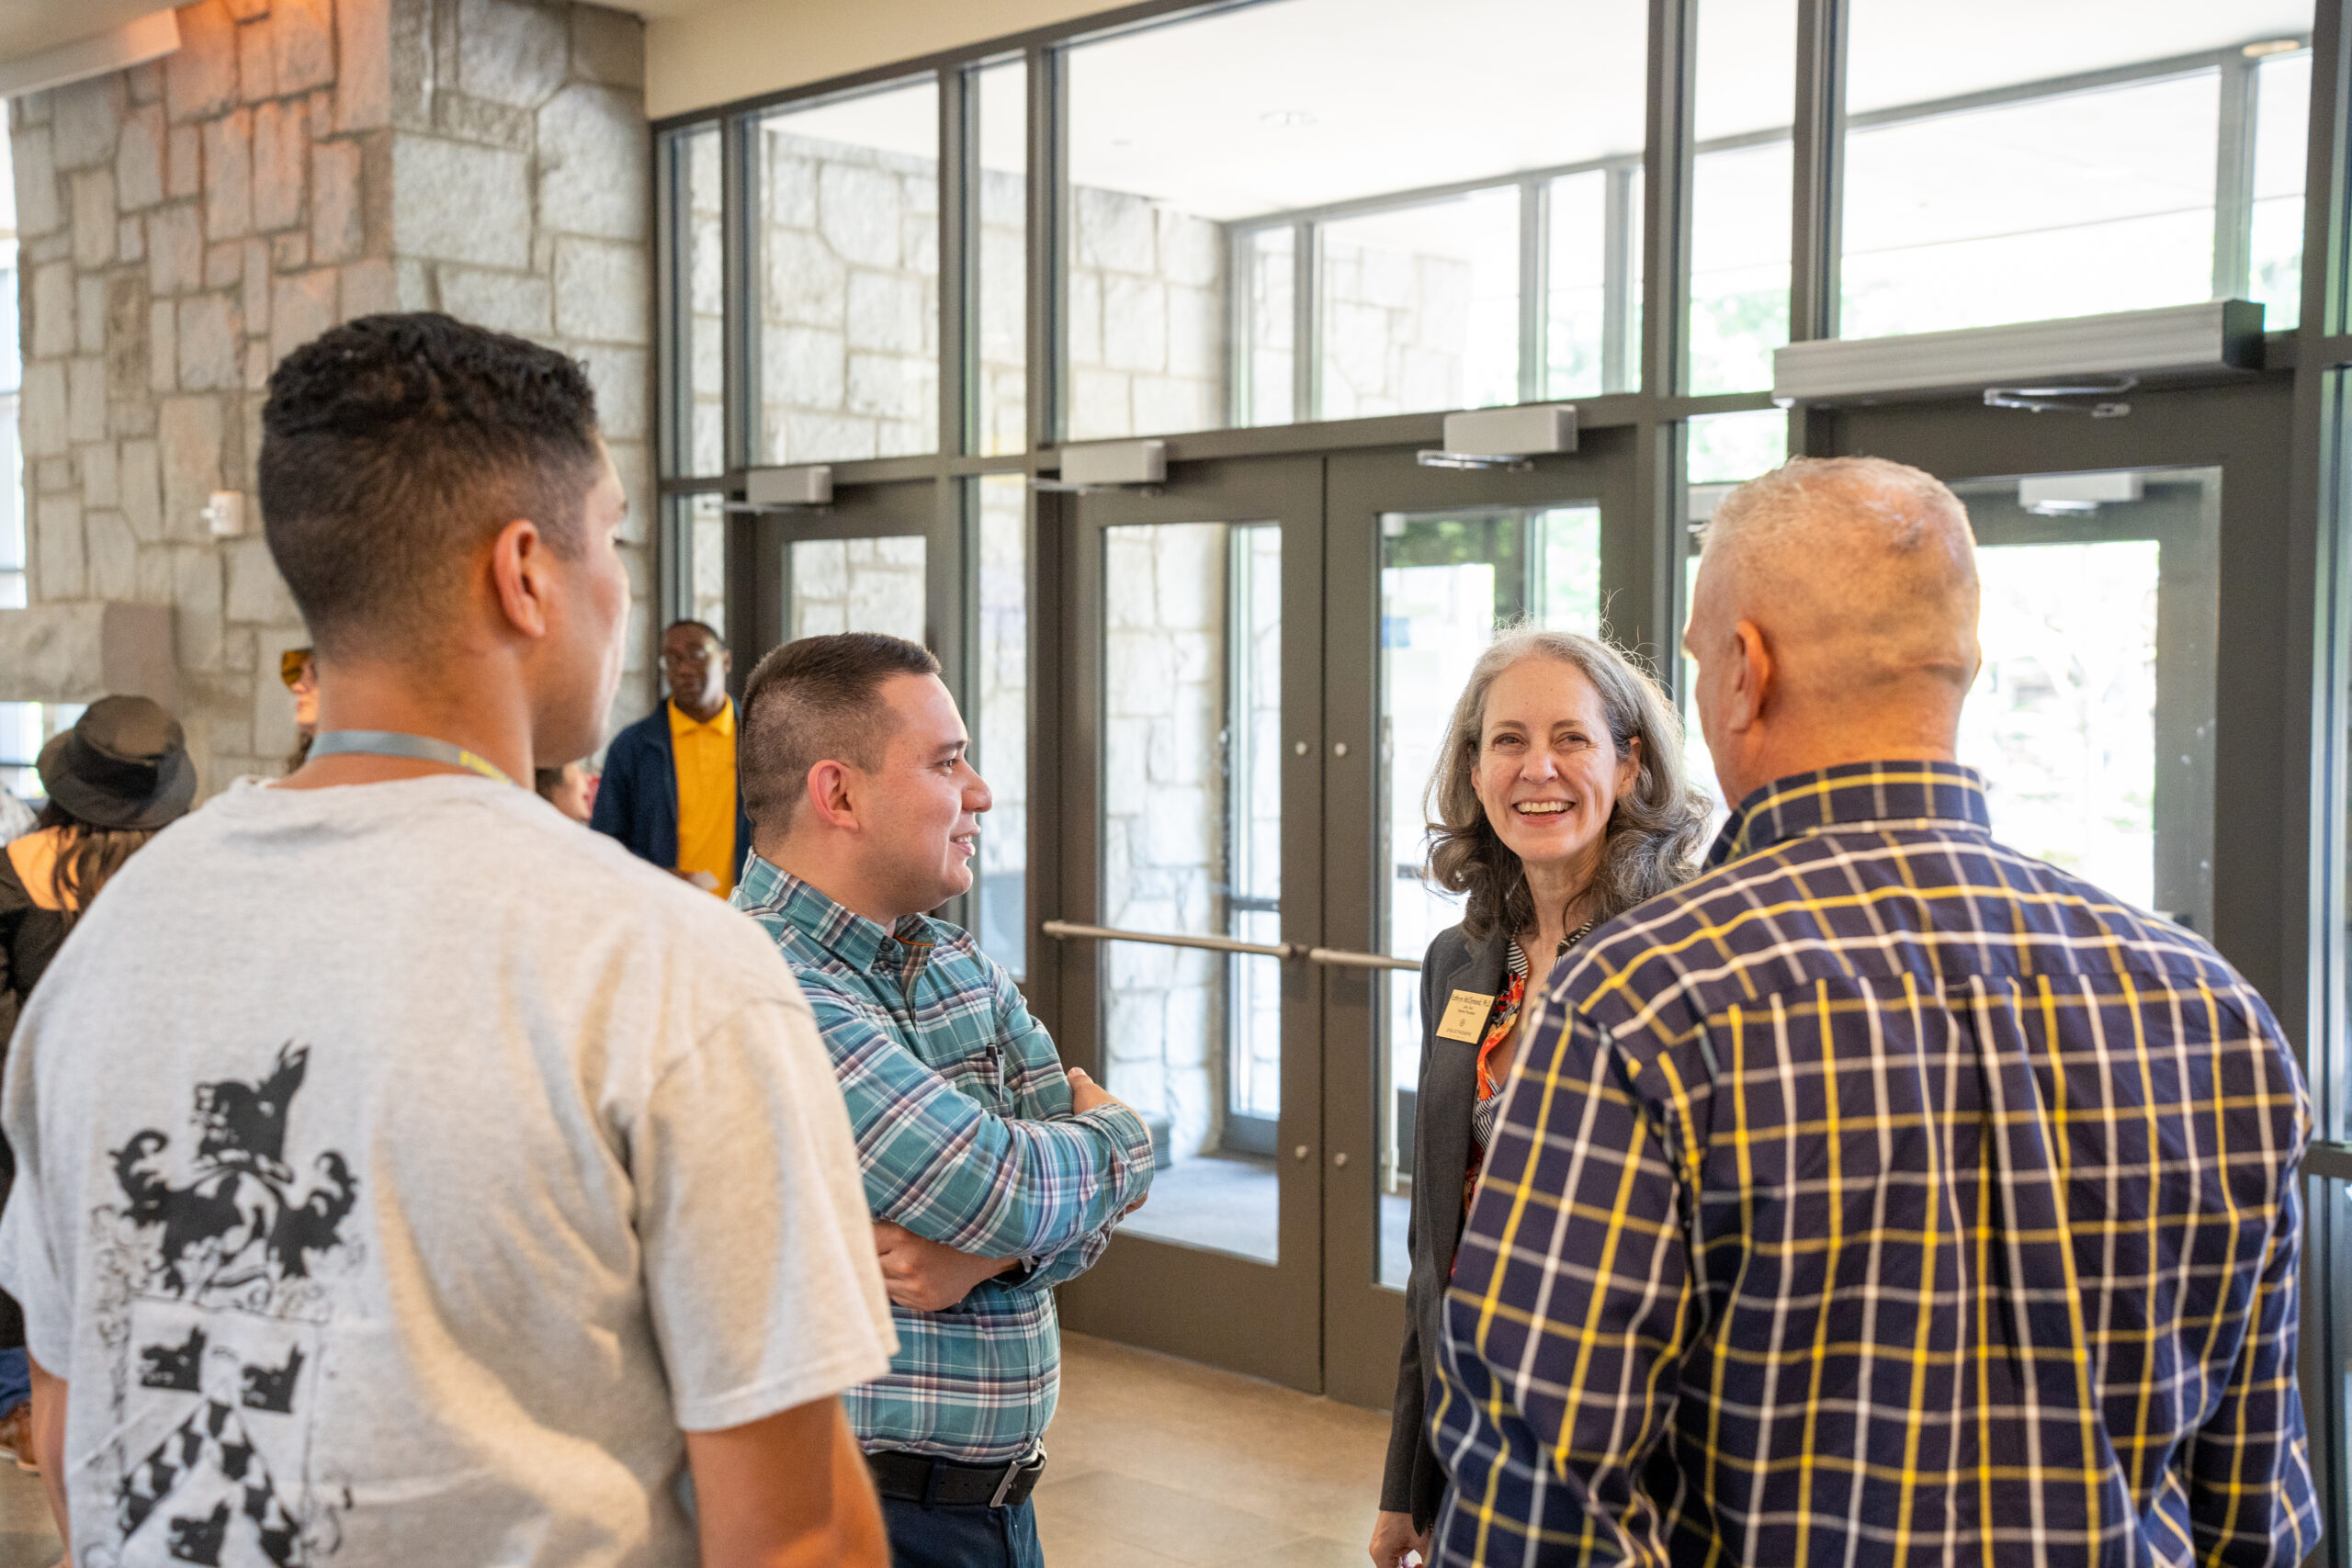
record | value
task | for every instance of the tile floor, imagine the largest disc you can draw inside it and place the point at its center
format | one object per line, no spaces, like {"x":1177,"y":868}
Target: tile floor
{"x":27,"y":1537}
{"x":1156,"y":1463}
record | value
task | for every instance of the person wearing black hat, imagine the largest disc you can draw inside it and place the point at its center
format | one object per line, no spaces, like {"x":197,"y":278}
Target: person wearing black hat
{"x":116,"y":779}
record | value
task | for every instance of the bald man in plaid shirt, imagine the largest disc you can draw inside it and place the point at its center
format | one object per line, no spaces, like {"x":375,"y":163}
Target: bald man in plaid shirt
{"x":1884,"y":1195}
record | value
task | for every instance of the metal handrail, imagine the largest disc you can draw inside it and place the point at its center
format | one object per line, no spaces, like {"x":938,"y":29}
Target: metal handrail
{"x":1171,"y":939}
{"x":1283,"y":950}
{"x":1348,"y":960}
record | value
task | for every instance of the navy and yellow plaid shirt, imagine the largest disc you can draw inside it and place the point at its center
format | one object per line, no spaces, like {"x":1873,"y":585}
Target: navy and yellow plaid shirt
{"x":965,"y":1135}
{"x":1884,"y":1196}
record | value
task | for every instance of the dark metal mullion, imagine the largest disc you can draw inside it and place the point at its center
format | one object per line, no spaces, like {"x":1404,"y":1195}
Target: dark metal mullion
{"x":1619,"y":288}
{"x":1659,"y":444}
{"x":1534,"y":286}
{"x":1815,"y":241}
{"x":1306,"y":323}
{"x":1048,"y":198}
{"x":958,"y":276}
{"x":739,"y":281}
{"x":2233,"y":180}
{"x":1240,"y":325}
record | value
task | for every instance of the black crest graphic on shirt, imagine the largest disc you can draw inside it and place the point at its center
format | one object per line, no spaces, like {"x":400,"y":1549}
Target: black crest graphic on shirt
{"x":221,"y":1317}
{"x":238,"y":1221}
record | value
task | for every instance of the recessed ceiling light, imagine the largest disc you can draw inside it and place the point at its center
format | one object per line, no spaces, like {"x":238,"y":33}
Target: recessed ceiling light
{"x":2271,"y":46}
{"x":1287,"y":117}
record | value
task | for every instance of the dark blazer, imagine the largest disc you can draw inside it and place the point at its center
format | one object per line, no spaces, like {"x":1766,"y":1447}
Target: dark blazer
{"x":1414,"y":1482}
{"x":637,"y":802}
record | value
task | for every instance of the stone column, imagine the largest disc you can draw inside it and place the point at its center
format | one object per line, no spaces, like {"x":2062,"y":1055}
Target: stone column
{"x":295,"y":163}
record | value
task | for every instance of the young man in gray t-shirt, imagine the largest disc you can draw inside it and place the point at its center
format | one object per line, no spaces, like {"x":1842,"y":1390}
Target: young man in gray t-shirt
{"x":403,"y":1175}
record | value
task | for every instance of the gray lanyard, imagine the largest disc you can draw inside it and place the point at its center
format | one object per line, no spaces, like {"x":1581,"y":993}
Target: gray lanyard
{"x":394,"y":743}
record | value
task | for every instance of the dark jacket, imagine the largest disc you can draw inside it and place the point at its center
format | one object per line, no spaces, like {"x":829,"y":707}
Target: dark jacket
{"x":637,"y":802}
{"x":1413,"y":1482}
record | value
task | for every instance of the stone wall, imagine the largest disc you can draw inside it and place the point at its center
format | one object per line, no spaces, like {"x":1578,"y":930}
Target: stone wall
{"x":857,"y":585}
{"x":295,"y":163}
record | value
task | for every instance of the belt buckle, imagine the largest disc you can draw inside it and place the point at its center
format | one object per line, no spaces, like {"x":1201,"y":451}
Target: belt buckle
{"x":1013,"y":1473}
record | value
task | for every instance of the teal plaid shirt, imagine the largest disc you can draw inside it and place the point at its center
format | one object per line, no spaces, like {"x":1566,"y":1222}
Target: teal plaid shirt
{"x":964,"y":1137}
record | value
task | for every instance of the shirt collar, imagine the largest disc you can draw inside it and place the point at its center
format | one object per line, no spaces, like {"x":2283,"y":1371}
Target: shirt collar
{"x":861,"y":943}
{"x":1849,"y":795}
{"x":721,"y":723}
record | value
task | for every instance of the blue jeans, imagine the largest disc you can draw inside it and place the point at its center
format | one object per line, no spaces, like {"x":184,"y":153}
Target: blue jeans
{"x":971,"y":1537}
{"x":15,"y":1378}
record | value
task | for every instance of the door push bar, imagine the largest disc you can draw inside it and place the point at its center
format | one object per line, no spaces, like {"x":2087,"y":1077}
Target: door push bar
{"x":1337,"y":957}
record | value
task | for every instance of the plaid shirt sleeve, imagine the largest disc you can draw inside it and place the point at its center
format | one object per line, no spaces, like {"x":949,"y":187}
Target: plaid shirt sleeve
{"x":2248,"y":1469}
{"x":947,"y":1169}
{"x":1545,"y":1419}
{"x":1041,"y":1090}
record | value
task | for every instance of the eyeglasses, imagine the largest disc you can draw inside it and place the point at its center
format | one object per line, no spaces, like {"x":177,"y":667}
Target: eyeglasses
{"x":293,"y":665}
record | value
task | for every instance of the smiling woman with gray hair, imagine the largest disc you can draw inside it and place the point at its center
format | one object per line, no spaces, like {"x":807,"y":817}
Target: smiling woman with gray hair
{"x":1560,"y":801}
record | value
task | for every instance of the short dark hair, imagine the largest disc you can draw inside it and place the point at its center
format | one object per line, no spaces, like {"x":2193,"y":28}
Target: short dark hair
{"x":699,"y":625}
{"x":393,"y":445}
{"x":811,"y":700}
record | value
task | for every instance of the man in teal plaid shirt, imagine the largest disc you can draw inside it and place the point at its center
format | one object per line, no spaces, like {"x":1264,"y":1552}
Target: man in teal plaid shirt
{"x":992,"y":1176}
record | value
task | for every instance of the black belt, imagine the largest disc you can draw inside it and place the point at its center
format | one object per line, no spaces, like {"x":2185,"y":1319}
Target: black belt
{"x":920,"y":1478}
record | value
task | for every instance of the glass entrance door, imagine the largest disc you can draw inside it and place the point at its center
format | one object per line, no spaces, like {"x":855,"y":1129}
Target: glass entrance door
{"x":1191,"y":729}
{"x":1426,"y":565}
{"x":1263,"y":657}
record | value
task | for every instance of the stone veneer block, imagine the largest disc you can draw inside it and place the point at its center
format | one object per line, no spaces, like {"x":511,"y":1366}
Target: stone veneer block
{"x":200,"y":76}
{"x":57,"y":553}
{"x":38,"y":210}
{"x":257,"y":61}
{"x":364,"y":68}
{"x":456,"y":202}
{"x":189,"y":438}
{"x":593,"y":163}
{"x":94,"y":209}
{"x":138,"y":160}
{"x":302,"y":43}
{"x":335,"y":230}
{"x":511,"y":52}
{"x":52,"y":309}
{"x":228,"y":175}
{"x":210,"y":327}
{"x":603,"y":291}
{"x":85,"y":118}
{"x":77,"y":653}
{"x":303,"y":307}
{"x":280,"y":148}
{"x":507,"y":301}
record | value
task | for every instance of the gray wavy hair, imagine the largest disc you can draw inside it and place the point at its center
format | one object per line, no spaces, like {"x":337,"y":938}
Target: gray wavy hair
{"x":1655,"y":833}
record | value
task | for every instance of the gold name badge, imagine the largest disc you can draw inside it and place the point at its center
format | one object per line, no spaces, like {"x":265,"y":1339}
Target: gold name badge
{"x":1465,"y":1017}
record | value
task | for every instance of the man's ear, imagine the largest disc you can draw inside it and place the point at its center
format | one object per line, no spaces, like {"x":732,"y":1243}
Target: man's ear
{"x":834,"y":796}
{"x":520,"y":561}
{"x":1751,"y":677}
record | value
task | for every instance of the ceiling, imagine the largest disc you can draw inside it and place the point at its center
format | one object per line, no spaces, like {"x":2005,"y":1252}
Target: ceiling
{"x":28,"y":27}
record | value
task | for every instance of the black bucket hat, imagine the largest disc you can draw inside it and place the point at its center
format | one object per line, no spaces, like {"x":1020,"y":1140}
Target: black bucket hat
{"x":124,"y":765}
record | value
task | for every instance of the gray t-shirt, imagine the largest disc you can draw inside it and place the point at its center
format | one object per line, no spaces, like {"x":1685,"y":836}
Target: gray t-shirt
{"x":400,"y":1167}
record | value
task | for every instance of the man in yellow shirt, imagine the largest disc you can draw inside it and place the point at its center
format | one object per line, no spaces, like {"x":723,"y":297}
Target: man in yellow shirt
{"x":669,"y":786}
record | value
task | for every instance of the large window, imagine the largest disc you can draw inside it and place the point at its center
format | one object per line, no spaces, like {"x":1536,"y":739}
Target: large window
{"x":1339,"y":209}
{"x":2116,"y":164}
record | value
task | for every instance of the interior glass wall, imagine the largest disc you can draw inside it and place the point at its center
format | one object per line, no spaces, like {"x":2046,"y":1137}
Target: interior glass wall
{"x":702,"y":283}
{"x":1742,"y":174}
{"x":844,"y":243}
{"x":2114,"y":165}
{"x":1000,"y":257}
{"x":1220,"y":166}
